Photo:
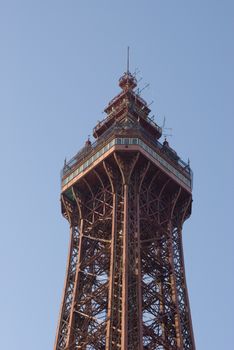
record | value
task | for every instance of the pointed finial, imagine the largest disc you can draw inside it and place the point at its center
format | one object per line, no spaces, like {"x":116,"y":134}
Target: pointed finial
{"x":165,"y":143}
{"x":65,"y":161}
{"x":128,"y":60}
{"x":88,"y":142}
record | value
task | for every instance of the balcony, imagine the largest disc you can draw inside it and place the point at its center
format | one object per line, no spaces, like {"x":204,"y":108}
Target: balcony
{"x":137,"y":136}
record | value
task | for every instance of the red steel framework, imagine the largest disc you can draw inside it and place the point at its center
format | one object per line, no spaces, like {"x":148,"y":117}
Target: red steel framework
{"x":126,"y":197}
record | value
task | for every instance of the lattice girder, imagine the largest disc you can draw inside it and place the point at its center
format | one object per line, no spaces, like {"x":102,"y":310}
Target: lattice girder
{"x":125,"y":284}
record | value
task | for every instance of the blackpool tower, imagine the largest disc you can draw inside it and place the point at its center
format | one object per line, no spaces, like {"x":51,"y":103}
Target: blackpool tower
{"x":126,"y":197}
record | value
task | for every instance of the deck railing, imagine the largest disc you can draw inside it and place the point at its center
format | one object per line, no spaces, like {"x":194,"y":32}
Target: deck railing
{"x":117,"y":130}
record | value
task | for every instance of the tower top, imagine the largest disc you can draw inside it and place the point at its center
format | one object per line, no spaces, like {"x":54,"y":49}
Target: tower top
{"x":128,"y":60}
{"x":127,"y":81}
{"x":127,"y":104}
{"x":128,"y":119}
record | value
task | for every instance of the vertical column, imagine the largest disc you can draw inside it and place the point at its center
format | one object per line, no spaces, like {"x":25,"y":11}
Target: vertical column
{"x":70,"y":335}
{"x":111,"y":277}
{"x":128,"y":317}
{"x":174,"y":290}
{"x":114,"y":318}
{"x":66,"y":308}
{"x":124,"y":339}
{"x":139,"y":275}
{"x":188,"y":341}
{"x":178,"y":332}
{"x":62,"y":329}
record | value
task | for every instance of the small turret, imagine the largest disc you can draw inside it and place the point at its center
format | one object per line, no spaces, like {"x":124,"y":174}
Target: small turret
{"x":170,"y":151}
{"x":127,"y":82}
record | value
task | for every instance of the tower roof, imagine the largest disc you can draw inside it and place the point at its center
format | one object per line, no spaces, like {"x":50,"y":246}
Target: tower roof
{"x":128,"y":103}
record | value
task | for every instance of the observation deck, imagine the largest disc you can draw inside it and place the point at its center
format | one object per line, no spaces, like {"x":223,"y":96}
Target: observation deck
{"x":117,"y":138}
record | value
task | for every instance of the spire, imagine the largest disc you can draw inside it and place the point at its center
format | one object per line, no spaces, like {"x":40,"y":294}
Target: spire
{"x":127,"y":81}
{"x":128,"y":60}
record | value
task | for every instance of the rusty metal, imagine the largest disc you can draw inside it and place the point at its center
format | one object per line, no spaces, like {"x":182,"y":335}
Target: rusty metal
{"x":126,"y":198}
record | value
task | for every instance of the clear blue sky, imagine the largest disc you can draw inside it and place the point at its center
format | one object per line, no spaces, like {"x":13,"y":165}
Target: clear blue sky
{"x":59,"y":66}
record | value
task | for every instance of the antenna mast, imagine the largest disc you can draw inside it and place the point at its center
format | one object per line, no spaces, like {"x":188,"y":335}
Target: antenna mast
{"x":128,"y":60}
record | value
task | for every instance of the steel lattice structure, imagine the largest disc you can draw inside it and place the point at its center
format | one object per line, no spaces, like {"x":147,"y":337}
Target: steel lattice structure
{"x":126,"y":197}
